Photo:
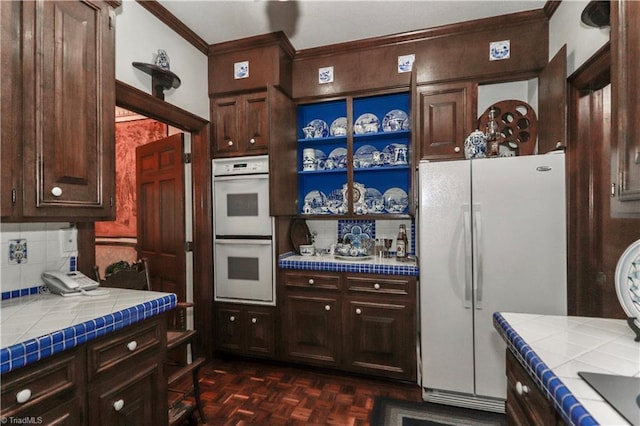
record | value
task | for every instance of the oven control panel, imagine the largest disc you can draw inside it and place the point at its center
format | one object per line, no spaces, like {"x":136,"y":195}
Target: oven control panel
{"x":241,"y":166}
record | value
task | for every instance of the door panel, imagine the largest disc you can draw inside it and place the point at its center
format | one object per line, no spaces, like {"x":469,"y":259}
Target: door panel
{"x":161,"y":216}
{"x":552,"y":103}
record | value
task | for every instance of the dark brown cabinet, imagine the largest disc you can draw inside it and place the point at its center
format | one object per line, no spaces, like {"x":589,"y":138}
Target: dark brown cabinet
{"x":241,"y":125}
{"x":363,"y":323}
{"x":446,"y":115}
{"x":625,"y":138}
{"x":526,"y":404}
{"x":245,"y":329}
{"x":61,"y":161}
{"x":117,"y":379}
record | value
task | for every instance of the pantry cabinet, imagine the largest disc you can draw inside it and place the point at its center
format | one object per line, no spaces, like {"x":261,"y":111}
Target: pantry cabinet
{"x":364,"y":323}
{"x":446,"y":115}
{"x":245,"y":329}
{"x":241,"y":125}
{"x":61,"y":158}
{"x":625,"y":138}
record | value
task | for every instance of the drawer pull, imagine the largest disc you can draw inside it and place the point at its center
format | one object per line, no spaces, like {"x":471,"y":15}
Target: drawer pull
{"x":456,"y":149}
{"x":358,"y":311}
{"x":522,"y":389}
{"x":376,"y":286}
{"x":132,"y":345}
{"x":252,"y":141}
{"x":56,"y":191}
{"x":232,"y":318}
{"x":327,"y":307}
{"x":118,"y":405}
{"x":253,"y":320}
{"x":23,"y":396}
{"x":311,"y":281}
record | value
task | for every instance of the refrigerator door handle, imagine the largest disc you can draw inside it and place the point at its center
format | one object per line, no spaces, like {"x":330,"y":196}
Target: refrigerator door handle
{"x":466,"y":216}
{"x":477,"y":227}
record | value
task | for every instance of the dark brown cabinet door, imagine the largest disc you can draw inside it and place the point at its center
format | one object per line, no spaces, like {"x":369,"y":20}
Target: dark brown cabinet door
{"x":625,"y":141}
{"x":311,"y":329}
{"x":552,"y":103}
{"x":245,"y":330}
{"x":69,"y":99}
{"x":261,"y":338}
{"x":381,"y":337}
{"x":228,"y":329}
{"x":241,"y":125}
{"x":446,"y":115}
{"x":130,"y":399}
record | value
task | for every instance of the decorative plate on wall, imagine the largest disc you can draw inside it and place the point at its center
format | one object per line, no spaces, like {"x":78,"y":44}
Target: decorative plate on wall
{"x":628,"y":281}
{"x":517,"y":125}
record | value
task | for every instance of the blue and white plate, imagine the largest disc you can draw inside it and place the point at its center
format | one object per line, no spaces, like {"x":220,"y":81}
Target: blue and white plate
{"x":374,"y":201}
{"x":363,"y":157}
{"x":395,"y":200}
{"x":335,"y":202}
{"x":337,"y":159}
{"x":628,"y":281}
{"x":316,"y":129}
{"x":395,"y":120}
{"x":366,"y":123}
{"x":316,"y":202}
{"x":338,"y":127}
{"x":321,"y":160}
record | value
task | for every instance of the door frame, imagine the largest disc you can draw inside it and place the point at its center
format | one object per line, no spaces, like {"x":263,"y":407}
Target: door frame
{"x":143,"y":103}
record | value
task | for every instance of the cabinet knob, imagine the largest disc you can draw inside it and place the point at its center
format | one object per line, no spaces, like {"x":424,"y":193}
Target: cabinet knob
{"x":56,"y":191}
{"x":230,"y":143}
{"x":118,"y":405}
{"x":252,"y":141}
{"x":23,"y":396}
{"x":232,"y":318}
{"x":456,"y":149}
{"x":254,"y":320}
{"x":132,"y":345}
{"x":327,"y":307}
{"x":522,"y":389}
{"x":311,"y":281}
{"x":358,"y":311}
{"x":376,"y":286}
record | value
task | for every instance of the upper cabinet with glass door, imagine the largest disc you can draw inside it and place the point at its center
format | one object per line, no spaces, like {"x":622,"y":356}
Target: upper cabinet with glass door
{"x":354,"y":156}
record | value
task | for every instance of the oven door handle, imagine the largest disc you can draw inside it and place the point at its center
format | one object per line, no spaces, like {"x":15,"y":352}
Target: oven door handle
{"x":258,"y":176}
{"x":242,"y":241}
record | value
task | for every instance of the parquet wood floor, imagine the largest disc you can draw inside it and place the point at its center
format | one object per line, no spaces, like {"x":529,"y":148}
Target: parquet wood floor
{"x":242,"y":392}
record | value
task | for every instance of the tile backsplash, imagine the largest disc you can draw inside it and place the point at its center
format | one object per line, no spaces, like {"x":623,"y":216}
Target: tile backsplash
{"x":28,"y":249}
{"x":327,"y":232}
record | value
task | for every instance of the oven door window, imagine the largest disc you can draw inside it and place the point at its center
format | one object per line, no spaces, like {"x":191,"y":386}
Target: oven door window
{"x":242,"y":205}
{"x":244,"y":270}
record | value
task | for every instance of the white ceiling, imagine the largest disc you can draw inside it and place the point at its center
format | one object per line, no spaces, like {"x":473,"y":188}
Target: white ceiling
{"x":313,"y":23}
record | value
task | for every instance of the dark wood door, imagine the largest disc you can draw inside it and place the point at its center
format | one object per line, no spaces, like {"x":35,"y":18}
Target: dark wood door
{"x":68,"y":109}
{"x":260,"y":333}
{"x":381,"y":339}
{"x":311,"y":329}
{"x":228,"y":329}
{"x":256,"y":124}
{"x":161,"y":213}
{"x":552,"y":103}
{"x":446,"y":115}
{"x":226,"y":120}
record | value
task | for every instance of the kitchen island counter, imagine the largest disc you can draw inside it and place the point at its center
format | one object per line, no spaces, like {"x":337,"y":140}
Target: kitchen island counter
{"x":553,"y":349}
{"x":328,"y":262}
{"x":37,"y":326}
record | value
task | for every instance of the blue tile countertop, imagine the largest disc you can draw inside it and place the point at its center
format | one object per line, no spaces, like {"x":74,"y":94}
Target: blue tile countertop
{"x":328,"y":262}
{"x":553,"y":349}
{"x":37,"y":326}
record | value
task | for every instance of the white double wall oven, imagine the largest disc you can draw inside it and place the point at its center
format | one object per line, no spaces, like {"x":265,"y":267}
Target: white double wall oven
{"x":244,"y":263}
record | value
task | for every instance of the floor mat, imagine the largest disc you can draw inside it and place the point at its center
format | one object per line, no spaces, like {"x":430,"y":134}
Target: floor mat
{"x":389,"y":412}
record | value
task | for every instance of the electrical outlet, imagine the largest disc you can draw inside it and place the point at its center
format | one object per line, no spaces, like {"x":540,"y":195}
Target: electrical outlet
{"x":17,"y":252}
{"x":68,"y":240}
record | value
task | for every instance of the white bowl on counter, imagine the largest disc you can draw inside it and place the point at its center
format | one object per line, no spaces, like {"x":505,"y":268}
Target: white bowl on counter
{"x":307,"y":250}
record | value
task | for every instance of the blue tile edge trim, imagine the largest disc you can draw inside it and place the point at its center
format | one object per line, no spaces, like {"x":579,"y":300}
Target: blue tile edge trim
{"x":13,"y":294}
{"x":32,"y":350}
{"x":410,"y":270}
{"x":565,"y":403}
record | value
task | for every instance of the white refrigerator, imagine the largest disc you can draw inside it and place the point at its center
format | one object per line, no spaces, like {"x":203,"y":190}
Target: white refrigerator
{"x":492,"y":237}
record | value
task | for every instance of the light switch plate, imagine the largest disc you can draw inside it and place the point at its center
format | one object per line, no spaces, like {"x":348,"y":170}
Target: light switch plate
{"x":68,"y":240}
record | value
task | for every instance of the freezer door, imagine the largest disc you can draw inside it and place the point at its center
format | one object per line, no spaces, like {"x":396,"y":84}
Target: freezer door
{"x":446,"y":313}
{"x":520,"y":227}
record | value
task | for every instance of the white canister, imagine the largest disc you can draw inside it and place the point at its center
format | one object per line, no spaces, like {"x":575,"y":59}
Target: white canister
{"x":307,"y":250}
{"x":308,"y":159}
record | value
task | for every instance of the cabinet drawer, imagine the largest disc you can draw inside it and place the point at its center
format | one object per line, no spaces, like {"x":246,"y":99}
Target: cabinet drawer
{"x":524,"y":398}
{"x":380,"y":284}
{"x":46,"y":381}
{"x":312,"y":279}
{"x":110,"y":352}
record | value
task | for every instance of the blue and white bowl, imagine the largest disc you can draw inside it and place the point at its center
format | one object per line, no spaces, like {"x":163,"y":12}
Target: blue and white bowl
{"x":475,"y":146}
